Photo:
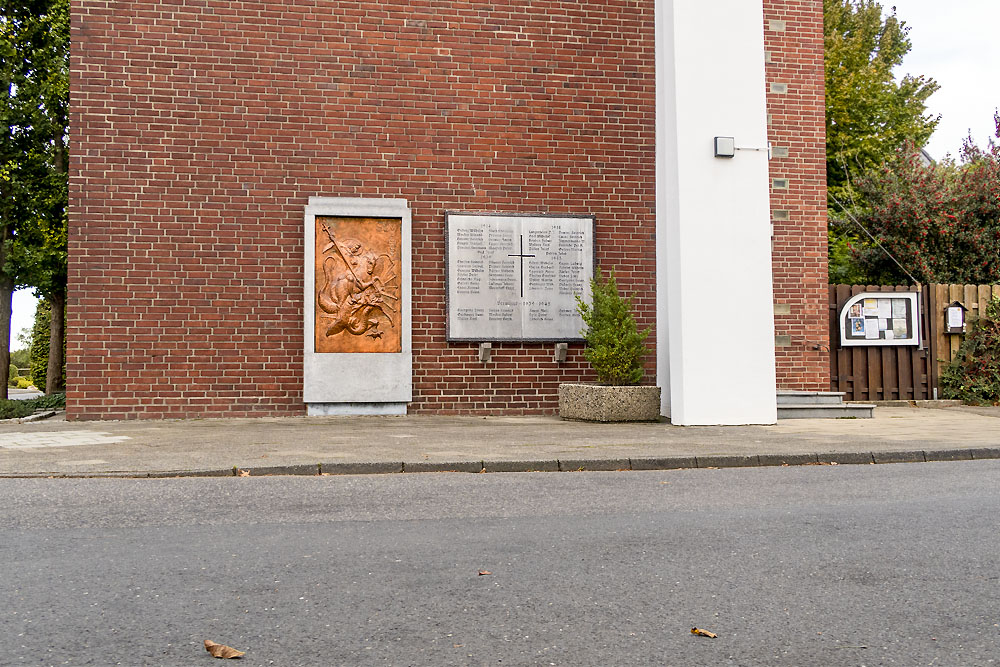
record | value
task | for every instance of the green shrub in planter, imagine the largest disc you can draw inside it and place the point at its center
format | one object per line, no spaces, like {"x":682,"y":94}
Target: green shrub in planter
{"x":615,"y":346}
{"x":974,"y":375}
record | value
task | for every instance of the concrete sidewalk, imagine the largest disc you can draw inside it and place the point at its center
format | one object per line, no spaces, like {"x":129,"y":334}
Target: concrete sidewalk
{"x":348,"y":445}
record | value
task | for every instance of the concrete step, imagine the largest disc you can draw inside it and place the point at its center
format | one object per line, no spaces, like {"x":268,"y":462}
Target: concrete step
{"x":815,"y":411}
{"x":786,"y":397}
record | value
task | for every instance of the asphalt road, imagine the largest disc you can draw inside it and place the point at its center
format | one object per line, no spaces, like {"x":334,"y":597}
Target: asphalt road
{"x":846,"y":565}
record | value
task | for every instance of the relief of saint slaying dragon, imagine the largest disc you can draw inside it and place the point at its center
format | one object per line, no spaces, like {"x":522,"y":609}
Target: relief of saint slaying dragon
{"x":361,"y":287}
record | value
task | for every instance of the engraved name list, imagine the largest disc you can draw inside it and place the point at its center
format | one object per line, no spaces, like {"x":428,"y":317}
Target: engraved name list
{"x":516,"y":277}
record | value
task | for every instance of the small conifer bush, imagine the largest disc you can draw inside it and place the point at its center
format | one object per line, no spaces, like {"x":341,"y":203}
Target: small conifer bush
{"x":974,"y":375}
{"x":615,"y":346}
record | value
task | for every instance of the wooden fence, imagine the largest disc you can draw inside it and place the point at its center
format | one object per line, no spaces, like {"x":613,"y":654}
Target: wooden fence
{"x":973,"y":297}
{"x":880,"y":373}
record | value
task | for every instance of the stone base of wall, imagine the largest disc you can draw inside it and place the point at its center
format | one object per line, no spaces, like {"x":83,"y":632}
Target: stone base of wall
{"x":607,"y":403}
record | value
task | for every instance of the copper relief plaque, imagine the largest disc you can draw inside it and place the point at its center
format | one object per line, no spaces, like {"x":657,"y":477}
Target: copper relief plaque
{"x":358,"y":291}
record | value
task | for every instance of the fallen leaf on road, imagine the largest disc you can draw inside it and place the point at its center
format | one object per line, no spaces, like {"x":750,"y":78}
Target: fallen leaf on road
{"x":222,"y":651}
{"x":703,"y":633}
{"x":244,"y":473}
{"x":483,"y":573}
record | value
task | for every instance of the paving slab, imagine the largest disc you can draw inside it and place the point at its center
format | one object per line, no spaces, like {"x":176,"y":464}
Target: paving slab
{"x":359,"y":445}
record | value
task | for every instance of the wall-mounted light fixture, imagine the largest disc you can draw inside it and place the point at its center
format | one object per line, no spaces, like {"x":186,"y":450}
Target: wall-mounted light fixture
{"x":726,"y":147}
{"x":559,"y":356}
{"x":485,"y":351}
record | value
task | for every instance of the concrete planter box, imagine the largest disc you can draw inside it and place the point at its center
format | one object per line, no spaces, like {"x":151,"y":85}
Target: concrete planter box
{"x":609,"y":403}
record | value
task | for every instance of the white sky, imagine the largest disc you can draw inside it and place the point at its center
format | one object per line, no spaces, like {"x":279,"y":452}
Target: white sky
{"x":23,"y":315}
{"x":954,"y":43}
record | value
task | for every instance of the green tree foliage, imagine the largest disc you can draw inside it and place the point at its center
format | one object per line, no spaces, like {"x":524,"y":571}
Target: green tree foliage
{"x":615,"y":346}
{"x":869,"y":114}
{"x":974,"y":375}
{"x":843,"y":270}
{"x":19,"y":358}
{"x":940,"y":221}
{"x":34,"y":94}
{"x":38,"y":351}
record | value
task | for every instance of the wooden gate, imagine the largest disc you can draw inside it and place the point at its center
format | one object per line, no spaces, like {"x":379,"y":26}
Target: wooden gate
{"x":881,"y":373}
{"x":902,"y":372}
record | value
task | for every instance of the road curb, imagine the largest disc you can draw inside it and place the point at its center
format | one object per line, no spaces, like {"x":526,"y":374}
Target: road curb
{"x":788,"y":459}
{"x":450,"y":466}
{"x":712,"y":461}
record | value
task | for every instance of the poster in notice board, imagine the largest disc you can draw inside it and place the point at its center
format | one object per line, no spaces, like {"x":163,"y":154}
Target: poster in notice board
{"x":881,"y":318}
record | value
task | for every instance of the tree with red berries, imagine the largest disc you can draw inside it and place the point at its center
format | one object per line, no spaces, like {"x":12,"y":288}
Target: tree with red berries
{"x":940,"y":221}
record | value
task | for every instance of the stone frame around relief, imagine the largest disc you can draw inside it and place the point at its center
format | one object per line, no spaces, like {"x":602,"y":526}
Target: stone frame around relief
{"x":591,"y":260}
{"x":372,"y":382}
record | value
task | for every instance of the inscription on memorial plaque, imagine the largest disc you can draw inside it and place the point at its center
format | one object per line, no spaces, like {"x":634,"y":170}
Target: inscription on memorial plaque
{"x":358,"y":285}
{"x":516,"y":277}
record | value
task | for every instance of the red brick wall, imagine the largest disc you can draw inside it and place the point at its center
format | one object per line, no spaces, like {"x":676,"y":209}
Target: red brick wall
{"x":200,"y":130}
{"x":793,"y":36}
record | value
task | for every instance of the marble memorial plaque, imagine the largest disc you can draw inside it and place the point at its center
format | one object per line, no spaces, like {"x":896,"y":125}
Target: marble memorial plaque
{"x":516,"y":277}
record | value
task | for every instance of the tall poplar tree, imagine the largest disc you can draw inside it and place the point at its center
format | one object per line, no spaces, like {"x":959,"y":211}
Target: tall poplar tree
{"x":34,"y":98}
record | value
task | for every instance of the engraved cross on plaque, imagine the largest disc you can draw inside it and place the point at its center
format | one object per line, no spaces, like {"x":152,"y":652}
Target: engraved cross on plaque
{"x":522,"y":256}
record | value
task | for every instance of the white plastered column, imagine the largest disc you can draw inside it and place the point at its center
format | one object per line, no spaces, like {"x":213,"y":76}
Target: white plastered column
{"x":715,"y":320}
